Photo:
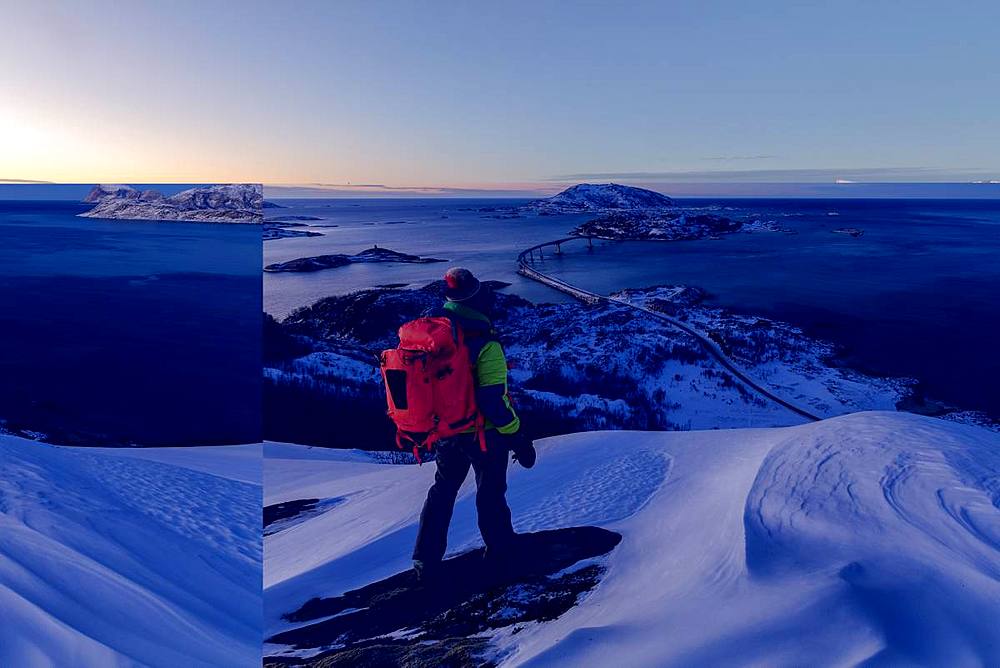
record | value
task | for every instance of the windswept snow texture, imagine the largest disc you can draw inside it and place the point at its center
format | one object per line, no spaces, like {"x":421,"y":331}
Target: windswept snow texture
{"x":143,"y":557}
{"x":872,"y":537}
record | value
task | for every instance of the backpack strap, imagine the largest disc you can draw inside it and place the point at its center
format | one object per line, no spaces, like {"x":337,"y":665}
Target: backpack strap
{"x":428,"y":442}
{"x":481,"y":430}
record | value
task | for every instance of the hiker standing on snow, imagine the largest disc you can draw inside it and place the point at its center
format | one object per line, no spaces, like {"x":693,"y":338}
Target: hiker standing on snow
{"x":469,"y":305}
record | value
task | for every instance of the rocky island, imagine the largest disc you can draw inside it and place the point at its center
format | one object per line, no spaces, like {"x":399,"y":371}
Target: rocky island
{"x":600,"y":198}
{"x":370,"y":255}
{"x":657,"y":226}
{"x":278,"y":229}
{"x":232,"y":203}
{"x":626,"y":213}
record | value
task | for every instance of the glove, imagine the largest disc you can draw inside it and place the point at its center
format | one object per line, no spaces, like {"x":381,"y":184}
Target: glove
{"x":524,"y":449}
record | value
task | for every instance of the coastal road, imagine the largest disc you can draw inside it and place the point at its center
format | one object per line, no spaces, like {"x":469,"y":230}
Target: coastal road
{"x":527,"y":269}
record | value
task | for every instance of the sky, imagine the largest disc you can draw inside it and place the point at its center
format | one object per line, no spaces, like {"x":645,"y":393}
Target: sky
{"x":511,"y":98}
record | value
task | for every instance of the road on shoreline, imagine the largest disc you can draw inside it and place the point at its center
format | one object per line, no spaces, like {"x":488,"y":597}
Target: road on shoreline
{"x":526,"y":268}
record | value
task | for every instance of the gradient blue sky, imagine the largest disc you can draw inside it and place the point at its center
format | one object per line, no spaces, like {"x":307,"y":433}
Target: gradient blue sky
{"x":513,"y":96}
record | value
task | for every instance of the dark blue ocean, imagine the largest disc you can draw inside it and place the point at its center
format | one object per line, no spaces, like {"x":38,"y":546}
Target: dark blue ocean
{"x":118,"y":332}
{"x":915,"y":295}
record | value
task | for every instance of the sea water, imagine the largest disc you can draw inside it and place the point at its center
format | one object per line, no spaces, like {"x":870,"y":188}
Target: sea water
{"x":117,"y":332}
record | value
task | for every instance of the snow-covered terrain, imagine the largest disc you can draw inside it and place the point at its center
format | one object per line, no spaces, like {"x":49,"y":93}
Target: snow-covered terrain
{"x":129,"y":557}
{"x":800,"y":369}
{"x":872,"y":537}
{"x":229,"y":203}
{"x":574,"y":367}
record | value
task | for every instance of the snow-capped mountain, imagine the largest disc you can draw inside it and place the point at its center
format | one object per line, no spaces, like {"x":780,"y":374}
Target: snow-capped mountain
{"x":872,"y":537}
{"x":129,"y":557}
{"x":629,"y":213}
{"x":601,"y":198}
{"x":99,"y":192}
{"x":231,"y":203}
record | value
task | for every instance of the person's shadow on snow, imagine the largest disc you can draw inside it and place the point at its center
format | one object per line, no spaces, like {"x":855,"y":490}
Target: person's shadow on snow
{"x":467,"y":598}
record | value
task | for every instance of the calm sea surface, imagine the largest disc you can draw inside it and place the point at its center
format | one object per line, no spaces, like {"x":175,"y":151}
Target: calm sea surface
{"x":128,"y":331}
{"x":916,"y":295}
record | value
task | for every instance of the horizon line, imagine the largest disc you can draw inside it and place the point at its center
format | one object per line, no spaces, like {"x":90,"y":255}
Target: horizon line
{"x":763,"y":189}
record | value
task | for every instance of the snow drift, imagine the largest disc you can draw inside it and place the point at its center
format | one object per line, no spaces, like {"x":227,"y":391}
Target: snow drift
{"x":113,"y":557}
{"x":872,"y":537}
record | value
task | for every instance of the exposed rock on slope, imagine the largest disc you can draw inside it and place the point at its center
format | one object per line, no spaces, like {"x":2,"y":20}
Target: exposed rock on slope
{"x":867,"y":539}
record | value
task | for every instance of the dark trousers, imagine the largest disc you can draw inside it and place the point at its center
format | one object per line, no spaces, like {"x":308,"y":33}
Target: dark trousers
{"x":454,"y":458}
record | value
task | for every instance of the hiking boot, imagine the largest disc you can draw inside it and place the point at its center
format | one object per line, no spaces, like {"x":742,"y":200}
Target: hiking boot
{"x":427,"y":572}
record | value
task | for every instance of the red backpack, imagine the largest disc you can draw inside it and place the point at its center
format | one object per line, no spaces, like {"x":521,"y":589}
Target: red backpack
{"x":429,"y":384}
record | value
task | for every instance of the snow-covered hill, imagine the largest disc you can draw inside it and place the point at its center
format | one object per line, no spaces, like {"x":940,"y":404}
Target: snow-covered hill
{"x":129,"y":557}
{"x":573,"y":367}
{"x":601,"y":197}
{"x":230,"y":203}
{"x":872,"y":537}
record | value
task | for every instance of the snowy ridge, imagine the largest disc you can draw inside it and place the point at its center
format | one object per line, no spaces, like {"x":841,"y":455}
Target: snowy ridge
{"x":872,"y":536}
{"x":129,"y":558}
{"x":230,"y":203}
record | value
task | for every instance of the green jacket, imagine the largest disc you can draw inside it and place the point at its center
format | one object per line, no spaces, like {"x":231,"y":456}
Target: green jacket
{"x":490,"y":368}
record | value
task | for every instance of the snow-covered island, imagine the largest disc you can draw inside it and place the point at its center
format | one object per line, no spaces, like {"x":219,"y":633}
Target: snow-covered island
{"x":600,"y":198}
{"x":369,"y":255}
{"x":230,"y":203}
{"x":627,"y":213}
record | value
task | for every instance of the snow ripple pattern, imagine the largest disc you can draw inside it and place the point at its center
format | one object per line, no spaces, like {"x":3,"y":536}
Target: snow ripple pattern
{"x":629,"y":477}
